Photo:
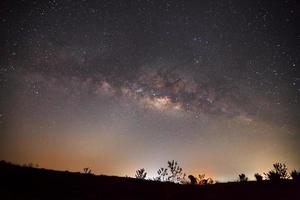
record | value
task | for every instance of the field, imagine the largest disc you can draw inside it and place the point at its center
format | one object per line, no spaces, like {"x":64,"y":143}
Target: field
{"x":18,"y":182}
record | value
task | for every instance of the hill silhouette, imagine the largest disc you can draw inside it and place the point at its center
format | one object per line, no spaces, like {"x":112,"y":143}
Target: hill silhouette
{"x":19,"y":182}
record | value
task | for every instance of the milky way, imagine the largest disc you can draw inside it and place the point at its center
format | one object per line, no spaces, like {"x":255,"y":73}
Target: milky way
{"x":119,"y":85}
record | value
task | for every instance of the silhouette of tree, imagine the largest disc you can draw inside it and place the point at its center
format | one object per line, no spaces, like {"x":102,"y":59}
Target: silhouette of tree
{"x":87,"y":170}
{"x":295,"y":175}
{"x":278,"y":173}
{"x":193,"y":180}
{"x":175,"y":171}
{"x":258,"y":177}
{"x":272,"y":176}
{"x":243,"y":178}
{"x":140,"y":174}
{"x":162,"y":174}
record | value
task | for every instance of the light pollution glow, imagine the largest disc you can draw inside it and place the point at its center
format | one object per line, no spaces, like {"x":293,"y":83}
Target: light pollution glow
{"x":112,"y":143}
{"x":122,"y":85}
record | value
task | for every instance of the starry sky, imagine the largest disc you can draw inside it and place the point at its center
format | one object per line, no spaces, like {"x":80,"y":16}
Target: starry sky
{"x":121,"y":85}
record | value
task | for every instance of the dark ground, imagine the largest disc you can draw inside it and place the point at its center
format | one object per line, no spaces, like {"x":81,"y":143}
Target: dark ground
{"x":18,"y":182}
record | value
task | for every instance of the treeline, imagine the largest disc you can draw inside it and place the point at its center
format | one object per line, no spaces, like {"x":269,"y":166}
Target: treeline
{"x":174,"y":173}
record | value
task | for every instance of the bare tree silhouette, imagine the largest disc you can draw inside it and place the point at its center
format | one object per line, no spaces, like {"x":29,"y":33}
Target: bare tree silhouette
{"x":140,"y":174}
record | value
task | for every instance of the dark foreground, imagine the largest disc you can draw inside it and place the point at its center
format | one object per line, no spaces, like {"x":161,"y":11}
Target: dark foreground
{"x":18,"y":182}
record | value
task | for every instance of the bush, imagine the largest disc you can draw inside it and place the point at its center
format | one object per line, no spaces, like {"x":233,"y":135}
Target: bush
{"x":173,"y":173}
{"x":193,"y":180}
{"x":258,"y":177}
{"x":140,"y":174}
{"x":243,"y":178}
{"x":278,"y":173}
{"x":295,"y":175}
{"x":203,"y":180}
{"x":162,"y":174}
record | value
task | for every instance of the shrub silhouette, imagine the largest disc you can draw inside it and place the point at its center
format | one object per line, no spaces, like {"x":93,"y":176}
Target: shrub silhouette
{"x":278,"y":173}
{"x":162,"y":174}
{"x":140,"y":174}
{"x":193,"y":180}
{"x":272,"y":176}
{"x":203,"y":180}
{"x":243,"y":178}
{"x":295,"y":175}
{"x":173,"y":173}
{"x":258,"y":177}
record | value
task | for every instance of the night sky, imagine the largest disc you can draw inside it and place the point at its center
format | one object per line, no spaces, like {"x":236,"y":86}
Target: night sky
{"x":122,"y":85}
